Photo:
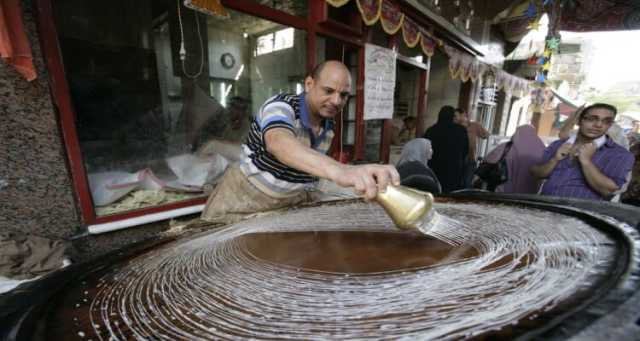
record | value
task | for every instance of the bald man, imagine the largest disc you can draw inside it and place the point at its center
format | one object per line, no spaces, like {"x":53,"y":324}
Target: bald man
{"x":284,"y":154}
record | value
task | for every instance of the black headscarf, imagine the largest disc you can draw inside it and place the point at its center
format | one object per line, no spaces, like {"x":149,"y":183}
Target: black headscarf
{"x":450,"y":145}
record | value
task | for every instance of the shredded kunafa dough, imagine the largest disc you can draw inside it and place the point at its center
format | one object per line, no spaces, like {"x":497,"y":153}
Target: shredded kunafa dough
{"x":212,"y":287}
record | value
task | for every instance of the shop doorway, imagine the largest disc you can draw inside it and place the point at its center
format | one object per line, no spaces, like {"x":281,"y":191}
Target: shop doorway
{"x":407,"y":104}
{"x":344,"y":142}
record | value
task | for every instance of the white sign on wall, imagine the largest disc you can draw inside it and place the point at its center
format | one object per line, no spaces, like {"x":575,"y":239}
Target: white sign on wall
{"x":379,"y":82}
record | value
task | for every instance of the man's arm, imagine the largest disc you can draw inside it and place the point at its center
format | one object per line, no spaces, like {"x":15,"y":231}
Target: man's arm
{"x":544,"y":170}
{"x":569,"y":123}
{"x":366,"y":179}
{"x":595,"y":178}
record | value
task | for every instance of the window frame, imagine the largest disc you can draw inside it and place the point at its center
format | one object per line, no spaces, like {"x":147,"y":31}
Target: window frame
{"x":61,"y":98}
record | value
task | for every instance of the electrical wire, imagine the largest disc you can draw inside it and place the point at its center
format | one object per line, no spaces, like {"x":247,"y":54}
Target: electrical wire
{"x":183,"y":52}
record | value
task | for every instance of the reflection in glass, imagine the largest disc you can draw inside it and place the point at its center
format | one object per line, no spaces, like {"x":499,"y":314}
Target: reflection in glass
{"x":163,"y":97}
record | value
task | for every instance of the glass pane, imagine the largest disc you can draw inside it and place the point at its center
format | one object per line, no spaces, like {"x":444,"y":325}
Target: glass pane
{"x":163,"y":98}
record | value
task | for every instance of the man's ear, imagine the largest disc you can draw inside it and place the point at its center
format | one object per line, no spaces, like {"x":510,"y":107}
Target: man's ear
{"x":308,"y":83}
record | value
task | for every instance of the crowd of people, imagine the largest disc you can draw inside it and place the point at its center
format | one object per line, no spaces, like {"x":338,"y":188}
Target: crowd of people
{"x":284,"y":155}
{"x":595,"y":161}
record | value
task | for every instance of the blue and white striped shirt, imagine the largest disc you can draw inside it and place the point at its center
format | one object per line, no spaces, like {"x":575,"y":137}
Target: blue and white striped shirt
{"x":263,"y":169}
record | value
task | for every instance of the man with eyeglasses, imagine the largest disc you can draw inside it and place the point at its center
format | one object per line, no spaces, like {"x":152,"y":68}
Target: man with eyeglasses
{"x":589,"y":165}
{"x":284,"y":153}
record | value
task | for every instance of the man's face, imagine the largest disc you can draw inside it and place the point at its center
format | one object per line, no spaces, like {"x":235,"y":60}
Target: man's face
{"x":595,"y":123}
{"x":329,"y":93}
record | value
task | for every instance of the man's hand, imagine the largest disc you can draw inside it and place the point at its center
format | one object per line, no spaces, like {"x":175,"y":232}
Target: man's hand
{"x":563,"y":151}
{"x":367,"y":180}
{"x":586,"y":152}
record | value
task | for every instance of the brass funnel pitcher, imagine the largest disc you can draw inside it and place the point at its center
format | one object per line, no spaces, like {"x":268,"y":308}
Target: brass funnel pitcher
{"x":408,"y":208}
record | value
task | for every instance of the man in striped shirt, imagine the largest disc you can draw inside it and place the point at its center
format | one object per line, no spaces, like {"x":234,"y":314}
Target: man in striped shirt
{"x":589,"y":165}
{"x":284,"y":153}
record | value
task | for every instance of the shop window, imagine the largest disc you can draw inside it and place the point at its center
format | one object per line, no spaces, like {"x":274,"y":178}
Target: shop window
{"x":163,"y":95}
{"x":276,"y":41}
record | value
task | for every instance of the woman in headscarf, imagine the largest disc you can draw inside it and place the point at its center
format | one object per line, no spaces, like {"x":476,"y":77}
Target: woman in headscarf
{"x":526,"y":150}
{"x":413,"y":166}
{"x":450,"y":148}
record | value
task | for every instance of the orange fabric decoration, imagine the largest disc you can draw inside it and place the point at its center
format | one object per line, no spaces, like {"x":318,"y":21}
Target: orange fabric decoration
{"x":209,"y":7}
{"x":14,"y":44}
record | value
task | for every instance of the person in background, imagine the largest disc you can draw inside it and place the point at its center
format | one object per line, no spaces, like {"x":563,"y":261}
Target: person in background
{"x":403,"y":131}
{"x":414,"y":169}
{"x":397,"y":125}
{"x":450,"y":150}
{"x":589,"y":165}
{"x":408,"y":131}
{"x":526,"y":150}
{"x":632,"y":195}
{"x":615,"y":132}
{"x":475,"y":131}
{"x":284,"y":153}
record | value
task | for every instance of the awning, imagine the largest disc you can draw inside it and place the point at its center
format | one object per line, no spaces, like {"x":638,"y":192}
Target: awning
{"x":577,"y":16}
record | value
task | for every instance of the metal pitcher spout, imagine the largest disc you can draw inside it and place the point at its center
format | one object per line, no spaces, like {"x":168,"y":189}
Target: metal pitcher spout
{"x":408,"y":208}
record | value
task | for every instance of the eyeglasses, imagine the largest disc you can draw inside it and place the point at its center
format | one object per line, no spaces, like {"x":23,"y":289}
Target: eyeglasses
{"x":594,"y":119}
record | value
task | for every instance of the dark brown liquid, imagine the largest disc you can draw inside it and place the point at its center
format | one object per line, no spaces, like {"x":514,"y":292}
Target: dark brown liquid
{"x":353,"y":251}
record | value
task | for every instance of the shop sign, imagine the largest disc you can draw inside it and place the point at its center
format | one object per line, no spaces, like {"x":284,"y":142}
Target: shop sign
{"x":379,"y":83}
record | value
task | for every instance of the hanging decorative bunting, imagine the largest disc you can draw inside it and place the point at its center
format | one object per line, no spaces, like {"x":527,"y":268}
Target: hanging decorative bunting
{"x":553,"y":43}
{"x":410,"y":32}
{"x":391,"y":18}
{"x":370,"y":10}
{"x":428,"y":44}
{"x":337,"y":3}
{"x":531,"y":11}
{"x":535,"y":25}
{"x":467,"y":67}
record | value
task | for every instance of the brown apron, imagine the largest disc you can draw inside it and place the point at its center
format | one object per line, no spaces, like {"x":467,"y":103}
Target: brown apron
{"x":235,"y":198}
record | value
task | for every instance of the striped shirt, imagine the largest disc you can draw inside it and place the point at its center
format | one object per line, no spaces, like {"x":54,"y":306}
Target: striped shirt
{"x":263,"y":169}
{"x":567,"y":179}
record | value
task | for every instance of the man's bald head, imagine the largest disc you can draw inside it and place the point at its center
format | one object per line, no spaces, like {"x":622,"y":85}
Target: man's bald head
{"x":333,"y":66}
{"x":327,"y":89}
